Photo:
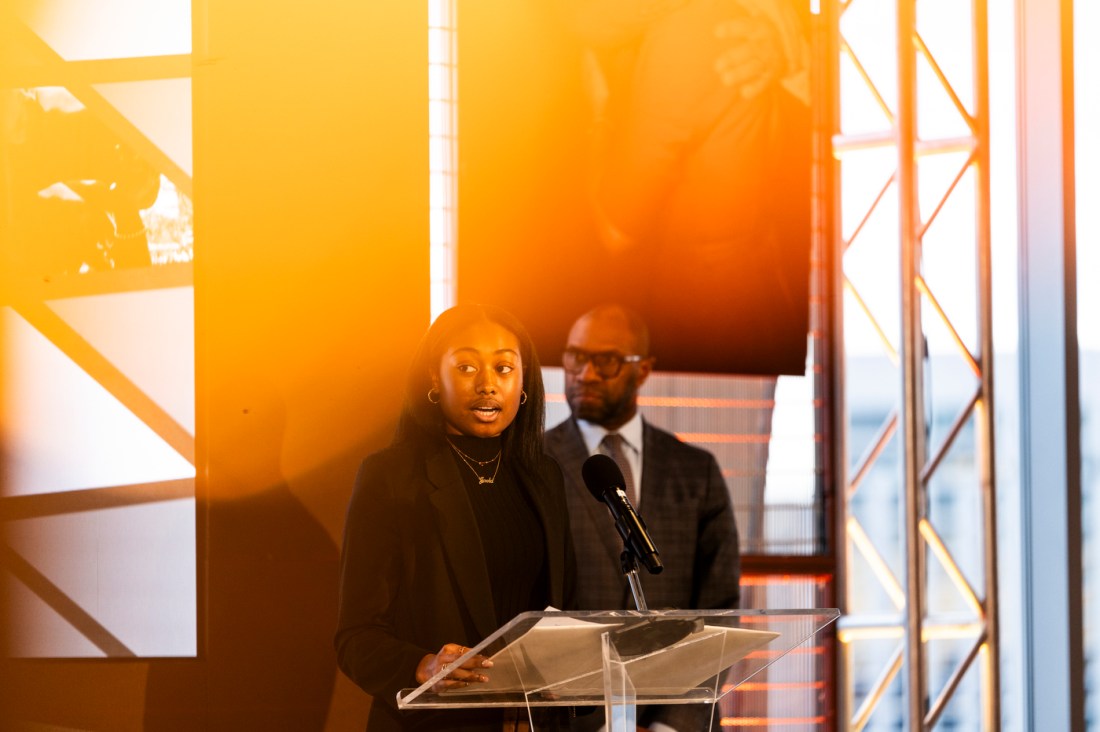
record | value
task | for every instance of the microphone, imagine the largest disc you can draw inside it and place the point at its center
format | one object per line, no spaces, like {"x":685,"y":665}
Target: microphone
{"x":605,"y":482}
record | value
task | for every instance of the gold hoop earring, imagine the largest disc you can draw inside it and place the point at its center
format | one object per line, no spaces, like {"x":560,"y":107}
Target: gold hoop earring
{"x":522,"y":397}
{"x":436,"y":391}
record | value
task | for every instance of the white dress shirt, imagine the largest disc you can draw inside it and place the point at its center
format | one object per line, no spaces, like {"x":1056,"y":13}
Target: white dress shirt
{"x":631,"y":432}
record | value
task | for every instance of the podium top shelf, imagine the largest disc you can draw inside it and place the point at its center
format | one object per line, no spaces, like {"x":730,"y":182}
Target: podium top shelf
{"x":555,"y":658}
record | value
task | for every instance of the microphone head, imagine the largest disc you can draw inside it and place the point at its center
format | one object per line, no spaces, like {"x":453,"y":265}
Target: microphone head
{"x":601,"y":474}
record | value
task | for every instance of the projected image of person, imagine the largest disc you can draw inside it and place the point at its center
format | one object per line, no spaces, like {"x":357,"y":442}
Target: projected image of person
{"x":458,"y":526}
{"x":74,"y":190}
{"x":677,"y":488}
{"x":700,"y":166}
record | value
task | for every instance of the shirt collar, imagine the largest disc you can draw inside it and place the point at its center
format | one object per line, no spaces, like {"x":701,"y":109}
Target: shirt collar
{"x":631,"y":432}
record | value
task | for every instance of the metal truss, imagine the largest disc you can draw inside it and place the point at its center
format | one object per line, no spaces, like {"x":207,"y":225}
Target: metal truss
{"x":921,"y":78}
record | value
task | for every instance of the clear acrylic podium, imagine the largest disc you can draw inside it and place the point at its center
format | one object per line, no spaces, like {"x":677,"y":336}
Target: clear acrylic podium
{"x":622,"y":659}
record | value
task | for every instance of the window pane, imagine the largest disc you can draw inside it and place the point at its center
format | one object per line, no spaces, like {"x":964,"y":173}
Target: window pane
{"x":79,"y":31}
{"x":97,"y":401}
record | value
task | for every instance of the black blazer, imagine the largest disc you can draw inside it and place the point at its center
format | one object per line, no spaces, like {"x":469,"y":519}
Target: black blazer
{"x":414,"y":576}
{"x":686,"y":506}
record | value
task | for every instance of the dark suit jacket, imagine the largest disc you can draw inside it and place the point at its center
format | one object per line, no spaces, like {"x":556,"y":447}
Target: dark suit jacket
{"x":414,"y":576}
{"x":686,"y":506}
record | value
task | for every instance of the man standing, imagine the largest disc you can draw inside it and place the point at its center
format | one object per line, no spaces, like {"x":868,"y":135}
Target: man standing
{"x":677,"y":488}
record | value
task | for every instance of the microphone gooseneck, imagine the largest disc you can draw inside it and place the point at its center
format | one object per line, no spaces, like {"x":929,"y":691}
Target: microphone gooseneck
{"x":605,"y":482}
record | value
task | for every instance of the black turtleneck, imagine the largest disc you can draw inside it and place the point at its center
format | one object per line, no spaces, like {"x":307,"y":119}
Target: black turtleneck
{"x":512,"y":536}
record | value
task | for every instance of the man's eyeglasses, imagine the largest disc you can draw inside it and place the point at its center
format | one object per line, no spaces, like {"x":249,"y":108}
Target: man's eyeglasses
{"x":608,"y":364}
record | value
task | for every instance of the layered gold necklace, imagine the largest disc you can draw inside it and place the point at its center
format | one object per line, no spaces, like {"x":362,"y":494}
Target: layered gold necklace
{"x":472,"y":461}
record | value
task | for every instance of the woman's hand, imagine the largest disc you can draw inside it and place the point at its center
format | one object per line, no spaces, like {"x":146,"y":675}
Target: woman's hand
{"x":459,"y":677}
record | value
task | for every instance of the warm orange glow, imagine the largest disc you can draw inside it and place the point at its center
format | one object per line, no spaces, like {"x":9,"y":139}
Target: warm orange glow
{"x":583,"y":159}
{"x":770,"y":721}
{"x":690,"y":402}
{"x":310,"y":212}
{"x":703,"y":403}
{"x":799,"y":651}
{"x":315,"y":238}
{"x":764,"y":580}
{"x":769,"y":620}
{"x":711,"y":437}
{"x":97,"y":377}
{"x":775,"y":686}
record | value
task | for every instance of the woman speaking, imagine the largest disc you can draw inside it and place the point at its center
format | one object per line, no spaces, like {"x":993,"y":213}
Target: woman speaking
{"x":456,"y":527}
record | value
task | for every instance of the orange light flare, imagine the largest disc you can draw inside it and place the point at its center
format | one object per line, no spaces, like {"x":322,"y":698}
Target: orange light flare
{"x":800,"y":651}
{"x":767,"y":580}
{"x":705,"y":402}
{"x":692,"y":402}
{"x":770,"y":721}
{"x":774,"y":685}
{"x":728,"y":439}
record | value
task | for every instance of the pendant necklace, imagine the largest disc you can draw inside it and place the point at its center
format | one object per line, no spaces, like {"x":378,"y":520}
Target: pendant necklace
{"x":471,"y":461}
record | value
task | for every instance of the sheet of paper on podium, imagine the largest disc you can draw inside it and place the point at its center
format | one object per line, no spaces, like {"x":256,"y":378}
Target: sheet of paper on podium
{"x":564,"y":657}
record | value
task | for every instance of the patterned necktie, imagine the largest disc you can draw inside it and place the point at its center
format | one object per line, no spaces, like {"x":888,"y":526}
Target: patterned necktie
{"x":612,"y":443}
